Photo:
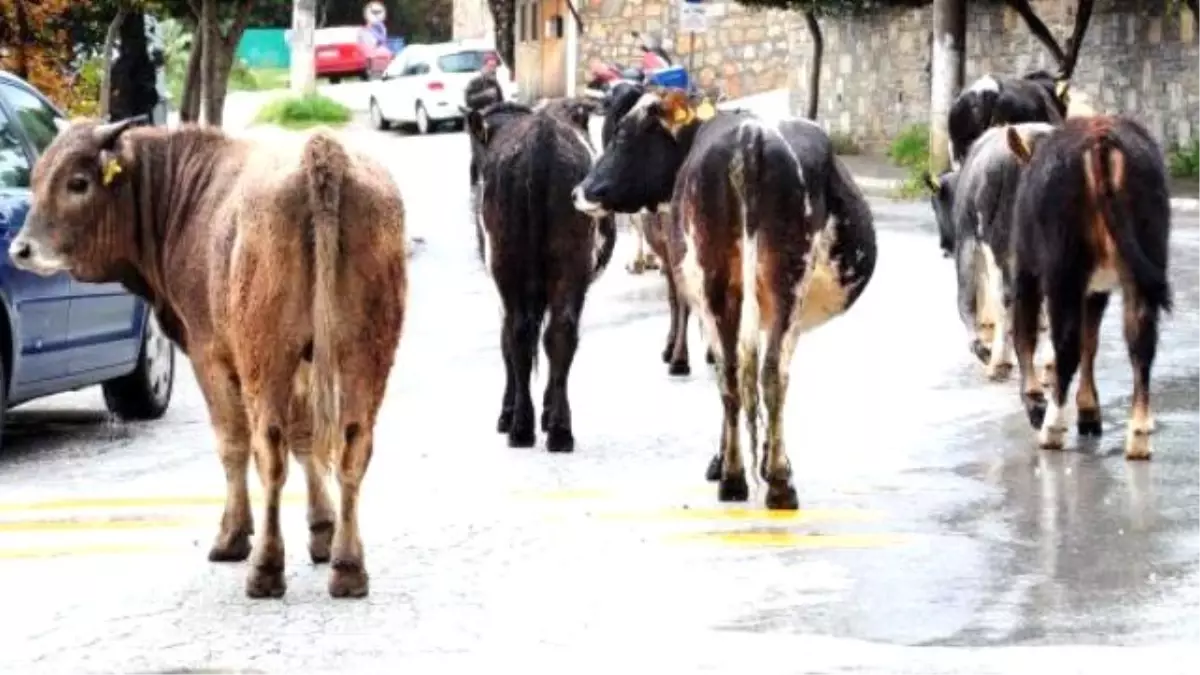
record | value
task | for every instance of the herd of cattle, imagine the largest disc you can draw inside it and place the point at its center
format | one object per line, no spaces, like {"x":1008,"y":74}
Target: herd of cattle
{"x":280,"y":268}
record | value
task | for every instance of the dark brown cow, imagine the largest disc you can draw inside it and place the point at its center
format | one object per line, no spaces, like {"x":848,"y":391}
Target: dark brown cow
{"x":769,"y":238}
{"x":279,"y":270}
{"x":541,"y":253}
{"x":1092,"y":215}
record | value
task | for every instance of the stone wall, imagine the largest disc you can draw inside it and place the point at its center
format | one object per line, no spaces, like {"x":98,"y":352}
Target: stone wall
{"x":745,"y":51}
{"x":1137,"y":58}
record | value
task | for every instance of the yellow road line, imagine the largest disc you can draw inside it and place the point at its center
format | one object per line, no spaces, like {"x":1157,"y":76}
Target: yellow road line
{"x":83,"y":503}
{"x":77,"y":524}
{"x":737,"y":513}
{"x":795,"y":539}
{"x":82,"y":549}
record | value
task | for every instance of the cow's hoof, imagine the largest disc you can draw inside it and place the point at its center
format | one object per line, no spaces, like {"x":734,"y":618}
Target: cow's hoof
{"x":709,"y":357}
{"x":1035,"y":408}
{"x":320,"y":542}
{"x":1088,"y":423}
{"x":713,"y":473}
{"x":781,"y":496}
{"x":1052,"y":438}
{"x":733,"y":488}
{"x":636,"y":267}
{"x":560,"y":440}
{"x":235,"y":548}
{"x":667,"y":353}
{"x":1137,"y":445}
{"x":504,"y":422}
{"x":266,"y":581}
{"x":981,"y":352}
{"x":679,"y":368}
{"x":998,"y":372}
{"x":348,"y":580}
{"x":651,"y":263}
{"x":521,"y":436}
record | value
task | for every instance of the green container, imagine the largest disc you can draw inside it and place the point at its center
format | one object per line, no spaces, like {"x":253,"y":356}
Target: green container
{"x":264,"y":48}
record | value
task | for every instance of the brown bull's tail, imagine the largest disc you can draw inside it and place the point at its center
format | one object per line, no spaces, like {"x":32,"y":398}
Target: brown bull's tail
{"x":1108,"y":164}
{"x":324,"y":164}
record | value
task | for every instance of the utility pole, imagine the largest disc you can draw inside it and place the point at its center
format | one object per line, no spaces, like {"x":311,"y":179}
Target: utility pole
{"x":946,"y":75}
{"x":303,"y":67}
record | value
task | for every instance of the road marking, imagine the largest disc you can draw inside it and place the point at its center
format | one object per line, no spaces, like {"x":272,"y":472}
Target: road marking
{"x":82,"y":524}
{"x":795,"y":539}
{"x":739,"y":513}
{"x":86,"y":503}
{"x":77,"y":550}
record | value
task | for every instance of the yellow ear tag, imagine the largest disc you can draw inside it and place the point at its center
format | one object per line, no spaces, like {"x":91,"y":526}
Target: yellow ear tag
{"x":682,"y":115}
{"x":111,"y":168}
{"x":705,"y":111}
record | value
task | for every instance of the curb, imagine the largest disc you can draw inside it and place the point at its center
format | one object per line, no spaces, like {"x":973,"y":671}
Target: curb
{"x":886,"y":187}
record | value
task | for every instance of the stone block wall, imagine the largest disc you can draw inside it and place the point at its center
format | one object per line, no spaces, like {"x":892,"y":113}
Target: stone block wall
{"x":745,"y":51}
{"x":1137,"y":58}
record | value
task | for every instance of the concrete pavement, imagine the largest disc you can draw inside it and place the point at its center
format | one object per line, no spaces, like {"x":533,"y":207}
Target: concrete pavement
{"x":933,"y":536}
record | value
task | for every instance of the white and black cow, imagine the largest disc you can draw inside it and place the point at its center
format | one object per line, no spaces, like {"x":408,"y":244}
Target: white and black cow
{"x":1092,"y":215}
{"x":768,"y":238}
{"x":974,"y":210}
{"x":989,"y":102}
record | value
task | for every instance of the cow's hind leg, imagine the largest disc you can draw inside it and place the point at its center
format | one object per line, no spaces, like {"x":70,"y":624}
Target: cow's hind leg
{"x":1087,"y":401}
{"x":675,"y":354}
{"x":1141,"y":337}
{"x":505,"y":421}
{"x":1066,"y":299}
{"x":776,"y":467}
{"x":222,"y":393}
{"x":561,"y":341}
{"x":1026,"y":307}
{"x":521,"y":325}
{"x":267,"y":401}
{"x":321,"y":514}
{"x":732,"y":486}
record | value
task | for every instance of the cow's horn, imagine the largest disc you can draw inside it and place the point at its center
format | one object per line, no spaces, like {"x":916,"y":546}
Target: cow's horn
{"x":107,"y":134}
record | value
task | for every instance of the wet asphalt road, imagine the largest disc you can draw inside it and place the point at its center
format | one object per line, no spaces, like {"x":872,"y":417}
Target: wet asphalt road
{"x":933,"y":535}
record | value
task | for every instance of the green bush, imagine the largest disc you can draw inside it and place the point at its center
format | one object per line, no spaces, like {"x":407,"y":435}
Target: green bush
{"x":1184,"y":161}
{"x":305,"y":111}
{"x":844,"y":144}
{"x":911,"y":148}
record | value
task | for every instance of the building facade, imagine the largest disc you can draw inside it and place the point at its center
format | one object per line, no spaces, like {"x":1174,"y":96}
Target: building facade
{"x":1139,"y":57}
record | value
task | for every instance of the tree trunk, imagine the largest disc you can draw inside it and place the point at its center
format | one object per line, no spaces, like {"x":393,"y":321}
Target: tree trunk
{"x":303,"y":70}
{"x":1083,"y":15}
{"x":1039,"y":30}
{"x":1192,"y":5}
{"x":504,"y":16}
{"x":106,"y":74}
{"x":949,"y":38}
{"x":211,"y":115}
{"x":22,"y":39}
{"x":222,"y":64}
{"x":189,"y":107}
{"x":814,"y":67}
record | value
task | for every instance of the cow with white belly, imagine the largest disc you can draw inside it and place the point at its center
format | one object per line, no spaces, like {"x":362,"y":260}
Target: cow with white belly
{"x":768,"y":238}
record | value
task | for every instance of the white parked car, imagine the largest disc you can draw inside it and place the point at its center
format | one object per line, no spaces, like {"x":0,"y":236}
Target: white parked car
{"x":425,"y":85}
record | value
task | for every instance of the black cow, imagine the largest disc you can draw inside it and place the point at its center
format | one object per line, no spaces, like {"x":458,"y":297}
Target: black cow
{"x":1092,"y":215}
{"x":768,"y":238}
{"x":974,"y":207}
{"x":648,"y":226}
{"x":541,"y":253}
{"x":1036,"y":97}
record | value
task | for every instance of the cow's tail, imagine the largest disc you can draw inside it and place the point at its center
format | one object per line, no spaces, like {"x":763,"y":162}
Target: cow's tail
{"x":325,"y":164}
{"x":1107,"y":164}
{"x":747,"y":170}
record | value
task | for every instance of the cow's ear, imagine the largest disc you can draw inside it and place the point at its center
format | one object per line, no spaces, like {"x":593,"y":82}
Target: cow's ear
{"x":676,"y":109}
{"x":1062,"y":89}
{"x":1019,"y":146}
{"x":932,"y":182}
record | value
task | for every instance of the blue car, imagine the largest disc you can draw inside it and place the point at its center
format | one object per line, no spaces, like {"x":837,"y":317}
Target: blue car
{"x":58,"y":334}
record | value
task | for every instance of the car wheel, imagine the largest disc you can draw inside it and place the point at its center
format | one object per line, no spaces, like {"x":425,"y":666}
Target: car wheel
{"x":3,"y":400}
{"x":377,"y":119}
{"x":335,"y":80}
{"x":423,"y":124}
{"x":145,"y":393}
{"x":365,"y":75}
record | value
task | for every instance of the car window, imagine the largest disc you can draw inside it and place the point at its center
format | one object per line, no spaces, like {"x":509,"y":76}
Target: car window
{"x":340,"y":35}
{"x":464,"y":62}
{"x":418,"y":68}
{"x":39,"y":120}
{"x":14,"y":164}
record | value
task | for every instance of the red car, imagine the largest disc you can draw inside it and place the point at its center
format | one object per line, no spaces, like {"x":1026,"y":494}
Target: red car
{"x":349,"y":51}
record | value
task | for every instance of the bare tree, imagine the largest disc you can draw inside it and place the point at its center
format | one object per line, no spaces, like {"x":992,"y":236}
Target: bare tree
{"x":106,"y":74}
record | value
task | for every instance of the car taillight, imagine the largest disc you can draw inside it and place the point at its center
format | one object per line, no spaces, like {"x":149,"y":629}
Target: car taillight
{"x":435,"y":86}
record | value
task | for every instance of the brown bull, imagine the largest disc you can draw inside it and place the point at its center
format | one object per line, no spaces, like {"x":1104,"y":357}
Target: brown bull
{"x":280,"y":271}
